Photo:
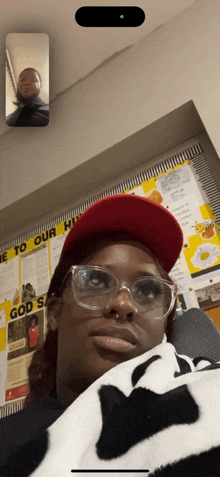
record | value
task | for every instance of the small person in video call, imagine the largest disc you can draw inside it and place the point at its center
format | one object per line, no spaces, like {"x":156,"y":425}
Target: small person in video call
{"x":107,"y":388}
{"x":31,"y":110}
{"x":33,"y":332}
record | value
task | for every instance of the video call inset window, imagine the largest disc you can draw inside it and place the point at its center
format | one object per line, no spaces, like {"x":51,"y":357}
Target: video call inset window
{"x":27,"y":80}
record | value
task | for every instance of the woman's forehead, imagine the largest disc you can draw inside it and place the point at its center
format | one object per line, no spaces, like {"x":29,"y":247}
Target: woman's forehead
{"x":120,"y":251}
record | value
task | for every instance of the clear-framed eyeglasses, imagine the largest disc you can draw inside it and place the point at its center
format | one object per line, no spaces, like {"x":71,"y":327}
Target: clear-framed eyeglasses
{"x":95,"y":287}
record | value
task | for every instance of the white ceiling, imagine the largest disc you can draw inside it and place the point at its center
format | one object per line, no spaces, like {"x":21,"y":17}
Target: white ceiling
{"x":76,"y":51}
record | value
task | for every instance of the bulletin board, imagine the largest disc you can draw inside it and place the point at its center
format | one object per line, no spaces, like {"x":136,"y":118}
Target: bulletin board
{"x":184,"y":185}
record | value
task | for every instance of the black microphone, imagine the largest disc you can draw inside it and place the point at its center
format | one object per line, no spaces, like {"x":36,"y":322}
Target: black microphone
{"x":195,"y":335}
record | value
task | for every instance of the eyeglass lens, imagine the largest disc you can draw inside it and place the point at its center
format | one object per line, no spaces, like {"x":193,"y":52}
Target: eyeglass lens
{"x":94,"y":288}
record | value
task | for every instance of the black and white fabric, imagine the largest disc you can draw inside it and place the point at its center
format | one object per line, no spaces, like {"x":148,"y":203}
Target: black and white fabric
{"x":158,"y":413}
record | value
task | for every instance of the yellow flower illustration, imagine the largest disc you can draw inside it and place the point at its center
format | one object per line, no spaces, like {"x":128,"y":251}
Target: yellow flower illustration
{"x":205,"y":256}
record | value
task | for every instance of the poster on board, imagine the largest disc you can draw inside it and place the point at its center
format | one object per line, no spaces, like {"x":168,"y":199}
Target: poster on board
{"x":35,"y":276}
{"x":24,"y":335}
{"x":9,"y":280}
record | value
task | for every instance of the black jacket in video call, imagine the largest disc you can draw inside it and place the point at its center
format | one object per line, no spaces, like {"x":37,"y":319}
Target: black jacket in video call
{"x":35,"y":114}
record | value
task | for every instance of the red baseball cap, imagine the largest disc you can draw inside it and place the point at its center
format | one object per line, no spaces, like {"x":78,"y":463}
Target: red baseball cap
{"x":150,"y":223}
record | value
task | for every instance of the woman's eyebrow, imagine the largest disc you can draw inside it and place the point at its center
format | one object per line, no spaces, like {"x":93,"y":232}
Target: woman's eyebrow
{"x":134,"y":275}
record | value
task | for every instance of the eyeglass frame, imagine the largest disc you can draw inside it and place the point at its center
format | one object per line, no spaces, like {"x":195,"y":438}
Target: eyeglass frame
{"x":173,"y":287}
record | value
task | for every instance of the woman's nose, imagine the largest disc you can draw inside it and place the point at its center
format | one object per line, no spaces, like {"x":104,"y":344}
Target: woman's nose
{"x":121,"y":305}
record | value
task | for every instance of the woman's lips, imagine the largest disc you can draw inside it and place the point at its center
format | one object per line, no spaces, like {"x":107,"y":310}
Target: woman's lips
{"x":115,"y":339}
{"x":114,"y":344}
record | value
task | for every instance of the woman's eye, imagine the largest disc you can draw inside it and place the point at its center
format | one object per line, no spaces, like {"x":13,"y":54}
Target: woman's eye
{"x":98,"y":280}
{"x":148,"y":290}
{"x":145,"y":291}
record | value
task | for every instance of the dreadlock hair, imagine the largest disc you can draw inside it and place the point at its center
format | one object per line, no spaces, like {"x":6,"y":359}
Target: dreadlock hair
{"x":43,"y":366}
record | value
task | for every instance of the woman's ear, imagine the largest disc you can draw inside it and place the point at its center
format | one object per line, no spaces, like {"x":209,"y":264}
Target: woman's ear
{"x":53,"y":312}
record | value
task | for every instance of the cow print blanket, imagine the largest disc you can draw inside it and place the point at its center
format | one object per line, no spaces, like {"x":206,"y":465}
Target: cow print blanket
{"x":157,"y":415}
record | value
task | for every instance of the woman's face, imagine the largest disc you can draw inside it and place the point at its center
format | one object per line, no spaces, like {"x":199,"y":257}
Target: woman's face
{"x":83,"y":356}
